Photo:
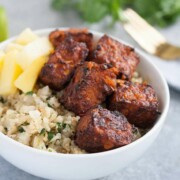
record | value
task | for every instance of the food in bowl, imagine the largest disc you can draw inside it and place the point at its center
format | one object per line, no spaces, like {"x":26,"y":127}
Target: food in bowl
{"x":104,"y":130}
{"x":68,"y":94}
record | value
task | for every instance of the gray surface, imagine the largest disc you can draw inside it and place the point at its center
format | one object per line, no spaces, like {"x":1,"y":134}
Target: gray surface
{"x":162,"y":160}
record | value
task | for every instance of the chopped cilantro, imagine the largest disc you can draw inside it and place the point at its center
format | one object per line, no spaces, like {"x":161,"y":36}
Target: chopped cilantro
{"x":49,"y":105}
{"x":2,"y":100}
{"x":48,"y":98}
{"x":21,"y":129}
{"x":50,"y":135}
{"x":43,"y":131}
{"x":25,"y":124}
{"x":29,"y":93}
{"x":64,"y":125}
{"x":61,"y":126}
{"x":6,"y":129}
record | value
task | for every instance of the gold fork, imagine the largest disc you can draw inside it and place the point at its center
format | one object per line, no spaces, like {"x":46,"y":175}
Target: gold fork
{"x":148,"y":37}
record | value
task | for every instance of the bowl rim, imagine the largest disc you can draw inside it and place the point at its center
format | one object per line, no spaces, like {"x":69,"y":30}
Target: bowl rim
{"x":109,"y":152}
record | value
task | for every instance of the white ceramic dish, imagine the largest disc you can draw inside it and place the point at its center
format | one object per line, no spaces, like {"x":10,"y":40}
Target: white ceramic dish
{"x":87,"y":166}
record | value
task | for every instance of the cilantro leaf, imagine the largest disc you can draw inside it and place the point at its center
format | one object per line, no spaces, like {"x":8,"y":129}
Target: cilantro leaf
{"x":29,"y":93}
{"x":43,"y":132}
{"x":25,"y":124}
{"x":2,"y":100}
{"x":92,"y":11}
{"x":61,"y":4}
{"x":50,"y":135}
{"x":61,"y":126}
{"x":21,"y":129}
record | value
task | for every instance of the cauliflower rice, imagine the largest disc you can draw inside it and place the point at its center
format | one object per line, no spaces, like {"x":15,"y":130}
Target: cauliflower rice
{"x":38,"y":120}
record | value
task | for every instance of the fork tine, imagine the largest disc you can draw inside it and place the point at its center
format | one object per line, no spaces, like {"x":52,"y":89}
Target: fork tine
{"x":142,"y":42}
{"x":141,"y":33}
{"x":143,"y":27}
{"x":144,"y":24}
{"x":134,"y":22}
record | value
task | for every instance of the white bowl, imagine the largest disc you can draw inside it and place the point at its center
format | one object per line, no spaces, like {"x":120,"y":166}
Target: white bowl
{"x":87,"y":166}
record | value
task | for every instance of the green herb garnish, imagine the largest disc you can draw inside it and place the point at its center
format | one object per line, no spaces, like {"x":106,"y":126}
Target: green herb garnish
{"x":29,"y":93}
{"x":49,"y":105}
{"x":48,"y":98}
{"x":50,"y":150}
{"x":21,"y":129}
{"x":43,"y":131}
{"x":158,"y":12}
{"x":6,"y":129}
{"x":25,"y":124}
{"x":2,"y":100}
{"x":64,"y":125}
{"x":50,"y":135}
{"x":61,"y":126}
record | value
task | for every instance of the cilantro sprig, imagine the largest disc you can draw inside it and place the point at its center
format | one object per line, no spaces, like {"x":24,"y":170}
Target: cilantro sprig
{"x":157,"y":12}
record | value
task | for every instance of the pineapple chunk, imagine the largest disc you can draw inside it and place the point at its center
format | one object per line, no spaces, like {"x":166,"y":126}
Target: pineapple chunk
{"x":2,"y":55}
{"x":10,"y":72}
{"x":13,"y":46}
{"x":26,"y":81}
{"x":32,"y":51}
{"x":26,"y":37}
